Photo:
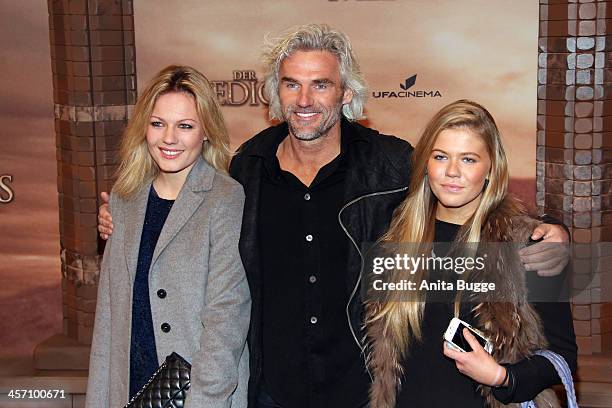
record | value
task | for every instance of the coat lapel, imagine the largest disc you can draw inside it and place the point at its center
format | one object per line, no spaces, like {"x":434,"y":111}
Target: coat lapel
{"x":200,"y":179}
{"x":134,"y":220}
{"x":249,"y":249}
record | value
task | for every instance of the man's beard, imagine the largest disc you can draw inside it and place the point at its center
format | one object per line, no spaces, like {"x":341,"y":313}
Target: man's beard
{"x":329,"y":118}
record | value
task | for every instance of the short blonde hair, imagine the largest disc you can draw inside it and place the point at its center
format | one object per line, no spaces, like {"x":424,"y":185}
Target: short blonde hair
{"x":137,"y":167}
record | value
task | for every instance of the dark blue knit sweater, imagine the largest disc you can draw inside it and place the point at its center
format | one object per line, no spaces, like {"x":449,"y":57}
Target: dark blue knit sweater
{"x":143,"y":354}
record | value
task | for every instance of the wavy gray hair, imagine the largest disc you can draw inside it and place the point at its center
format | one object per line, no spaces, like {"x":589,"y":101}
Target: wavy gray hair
{"x":314,"y":37}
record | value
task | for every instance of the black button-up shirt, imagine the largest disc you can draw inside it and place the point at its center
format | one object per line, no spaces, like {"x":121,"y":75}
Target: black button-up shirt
{"x":310,"y":358}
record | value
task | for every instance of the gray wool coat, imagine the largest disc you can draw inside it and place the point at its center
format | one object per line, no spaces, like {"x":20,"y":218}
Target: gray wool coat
{"x":207,"y":302}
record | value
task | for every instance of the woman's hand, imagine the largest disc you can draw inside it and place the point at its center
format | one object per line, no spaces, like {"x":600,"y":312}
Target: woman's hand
{"x":477,"y":364}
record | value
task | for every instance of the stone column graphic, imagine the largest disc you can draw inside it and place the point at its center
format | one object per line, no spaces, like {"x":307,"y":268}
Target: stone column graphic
{"x":94,"y":90}
{"x":574,"y":160}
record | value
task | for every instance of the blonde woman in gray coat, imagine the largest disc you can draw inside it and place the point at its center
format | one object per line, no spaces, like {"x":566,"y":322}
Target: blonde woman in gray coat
{"x":171,"y":277}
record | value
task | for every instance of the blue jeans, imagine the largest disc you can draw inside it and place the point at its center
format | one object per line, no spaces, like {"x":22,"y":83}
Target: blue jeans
{"x":264,"y":400}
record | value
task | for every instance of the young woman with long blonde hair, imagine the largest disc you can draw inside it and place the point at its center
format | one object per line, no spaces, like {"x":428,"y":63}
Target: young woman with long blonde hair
{"x":459,"y":194}
{"x":171,"y":278}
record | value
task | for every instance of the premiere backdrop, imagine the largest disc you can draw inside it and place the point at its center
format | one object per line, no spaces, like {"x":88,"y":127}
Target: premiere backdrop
{"x":439,"y":51}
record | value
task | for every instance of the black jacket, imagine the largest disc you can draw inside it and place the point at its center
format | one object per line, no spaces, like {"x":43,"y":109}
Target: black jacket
{"x":378,"y":166}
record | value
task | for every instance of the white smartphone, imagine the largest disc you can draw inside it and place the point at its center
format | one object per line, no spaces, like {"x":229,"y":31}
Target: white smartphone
{"x":454,"y":336}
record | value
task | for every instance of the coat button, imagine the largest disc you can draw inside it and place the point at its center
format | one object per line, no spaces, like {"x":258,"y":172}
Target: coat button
{"x":165,"y":327}
{"x":161,"y":293}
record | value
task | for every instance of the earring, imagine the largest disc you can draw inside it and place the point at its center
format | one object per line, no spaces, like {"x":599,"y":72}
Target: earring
{"x":486,"y":183}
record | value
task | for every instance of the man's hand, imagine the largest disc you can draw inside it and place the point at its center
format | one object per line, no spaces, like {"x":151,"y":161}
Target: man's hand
{"x":477,"y":364}
{"x":550,"y":255}
{"x":105,"y":220}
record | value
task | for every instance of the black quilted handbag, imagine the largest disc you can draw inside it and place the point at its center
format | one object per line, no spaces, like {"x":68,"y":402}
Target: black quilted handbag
{"x":167,"y":388}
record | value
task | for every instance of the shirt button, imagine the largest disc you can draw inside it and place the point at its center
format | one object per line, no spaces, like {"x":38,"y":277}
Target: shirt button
{"x":308,"y":237}
{"x":165,"y":327}
{"x":161,"y":293}
{"x":313,"y":320}
{"x":312,"y":279}
{"x":307,"y":197}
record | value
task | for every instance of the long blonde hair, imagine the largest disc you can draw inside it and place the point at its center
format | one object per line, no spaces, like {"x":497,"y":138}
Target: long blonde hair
{"x":137,"y":167}
{"x":414,"y":219}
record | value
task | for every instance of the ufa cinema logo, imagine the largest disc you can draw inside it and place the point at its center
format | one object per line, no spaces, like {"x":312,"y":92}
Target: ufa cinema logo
{"x":405,"y":93}
{"x":242,"y":89}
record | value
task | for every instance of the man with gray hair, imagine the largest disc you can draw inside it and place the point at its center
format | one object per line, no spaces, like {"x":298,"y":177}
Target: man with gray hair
{"x":306,"y":181}
{"x":300,"y":178}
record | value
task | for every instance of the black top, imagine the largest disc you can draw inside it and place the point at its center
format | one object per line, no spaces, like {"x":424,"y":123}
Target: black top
{"x":374,"y":163}
{"x":432,"y":380}
{"x":143,"y":353}
{"x":310,"y":358}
